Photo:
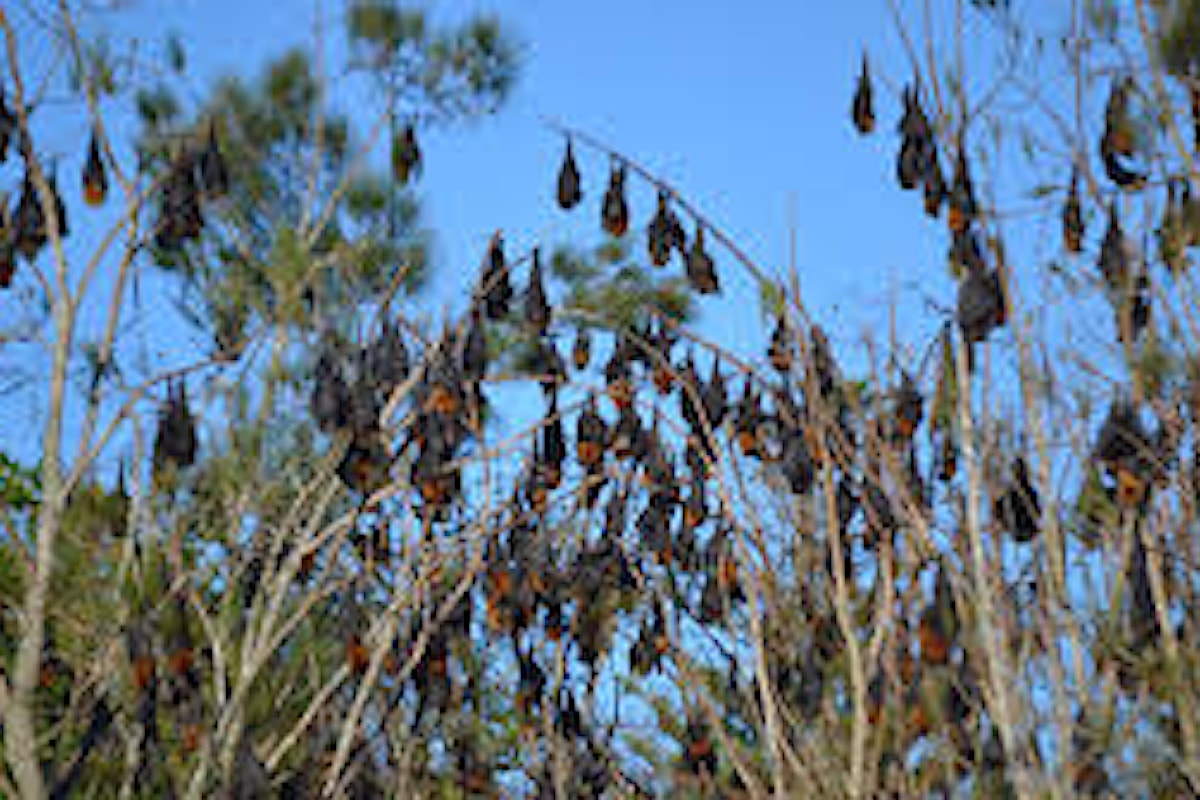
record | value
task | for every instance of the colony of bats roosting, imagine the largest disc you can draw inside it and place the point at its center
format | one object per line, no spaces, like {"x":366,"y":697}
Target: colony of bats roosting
{"x":666,"y":532}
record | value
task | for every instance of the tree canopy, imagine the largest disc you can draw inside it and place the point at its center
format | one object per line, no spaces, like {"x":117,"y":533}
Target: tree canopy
{"x":312,"y":555}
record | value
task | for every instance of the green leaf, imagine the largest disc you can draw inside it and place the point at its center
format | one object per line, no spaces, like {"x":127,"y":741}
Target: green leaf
{"x":770,"y":298}
{"x":157,"y":106}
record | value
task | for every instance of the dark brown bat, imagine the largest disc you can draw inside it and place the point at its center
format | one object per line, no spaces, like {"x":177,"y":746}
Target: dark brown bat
{"x":537,"y":308}
{"x":779,"y":351}
{"x":569,"y":185}
{"x":935,"y":187}
{"x":1072,"y":217}
{"x":664,"y":234}
{"x":701,"y":272}
{"x":8,"y":257}
{"x":175,"y":440}
{"x":615,"y":212}
{"x":8,"y":126}
{"x":1018,"y":509}
{"x":1117,"y":141}
{"x":1193,"y":96}
{"x":590,"y":436}
{"x":330,"y":399}
{"x":863,"y":108}
{"x":214,"y":175}
{"x":28,"y":230}
{"x":406,"y":156}
{"x":474,"y":351}
{"x":910,"y":407}
{"x":1114,"y":259}
{"x":581,"y":350}
{"x":916,"y":147}
{"x":497,"y":288}
{"x":981,"y":304}
{"x":962,"y":206}
{"x":714,"y":395}
{"x":180,"y":216}
{"x":939,"y":623}
{"x":748,"y":414}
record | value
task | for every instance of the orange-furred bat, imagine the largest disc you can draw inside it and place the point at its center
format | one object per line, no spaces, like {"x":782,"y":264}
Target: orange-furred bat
{"x":95,"y":179}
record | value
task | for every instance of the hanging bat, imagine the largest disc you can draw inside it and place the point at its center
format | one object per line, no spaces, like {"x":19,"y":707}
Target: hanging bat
{"x":581,"y":350}
{"x":910,"y":408}
{"x":779,"y":351}
{"x":1072,"y":217}
{"x":388,"y":363}
{"x":8,"y":126}
{"x":1133,"y":309}
{"x":798,"y":467}
{"x":537,"y":308}
{"x":1114,"y":258}
{"x":916,"y":148}
{"x":8,"y":258}
{"x":1117,"y":141}
{"x":1118,"y":128}
{"x":714,"y":395}
{"x":863,"y":109}
{"x":615,"y":212}
{"x":966,"y":254}
{"x":180,"y":217}
{"x":474,"y":351}
{"x":618,"y":378}
{"x":175,"y":440}
{"x":701,"y":272}
{"x":60,"y":208}
{"x":497,"y":288}
{"x":95,"y":179}
{"x":935,"y":187}
{"x":590,"y":436}
{"x":748,"y":415}
{"x":909,"y":164}
{"x":1018,"y":510}
{"x":569,"y":189}
{"x":28,"y":229}
{"x":981,"y":304}
{"x":364,"y":466}
{"x":962,"y":206}
{"x":939,"y":624}
{"x":1142,"y":608}
{"x":661,"y":235}
{"x":1193,"y":95}
{"x":554,"y":445}
{"x":406,"y":156}
{"x":214,"y":175}
{"x":330,"y":399}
